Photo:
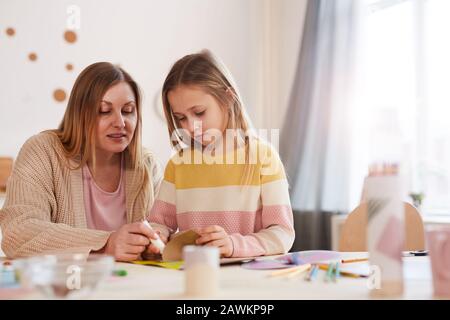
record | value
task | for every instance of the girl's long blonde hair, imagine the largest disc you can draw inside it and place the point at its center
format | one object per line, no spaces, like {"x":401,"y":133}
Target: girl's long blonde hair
{"x":206,"y":71}
{"x":78,"y":126}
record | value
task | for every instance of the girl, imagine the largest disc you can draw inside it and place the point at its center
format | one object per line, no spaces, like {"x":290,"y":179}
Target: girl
{"x":86,"y":186}
{"x":226,"y":184}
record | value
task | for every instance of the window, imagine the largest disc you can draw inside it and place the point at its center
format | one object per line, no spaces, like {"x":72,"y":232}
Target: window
{"x":406,"y":109}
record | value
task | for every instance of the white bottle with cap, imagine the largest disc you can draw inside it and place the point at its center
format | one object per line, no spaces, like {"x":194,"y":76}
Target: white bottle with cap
{"x":201,"y":266}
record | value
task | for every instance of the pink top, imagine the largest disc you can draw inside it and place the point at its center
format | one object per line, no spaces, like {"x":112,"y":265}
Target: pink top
{"x":104,"y":210}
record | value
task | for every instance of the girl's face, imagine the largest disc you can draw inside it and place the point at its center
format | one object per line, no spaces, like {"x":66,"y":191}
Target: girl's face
{"x":197,"y":112}
{"x":117,"y":119}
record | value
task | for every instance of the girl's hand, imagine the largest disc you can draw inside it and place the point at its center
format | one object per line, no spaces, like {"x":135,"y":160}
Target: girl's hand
{"x":216,"y":236}
{"x":127,"y":243}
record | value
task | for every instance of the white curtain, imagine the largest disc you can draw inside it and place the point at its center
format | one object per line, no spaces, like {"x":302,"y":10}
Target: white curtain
{"x":316,"y":136}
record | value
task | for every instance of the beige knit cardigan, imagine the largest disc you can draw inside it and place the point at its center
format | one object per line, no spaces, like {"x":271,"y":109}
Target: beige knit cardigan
{"x":44,"y":208}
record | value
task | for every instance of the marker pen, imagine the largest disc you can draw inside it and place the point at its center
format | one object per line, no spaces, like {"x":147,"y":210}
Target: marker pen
{"x":156,"y":242}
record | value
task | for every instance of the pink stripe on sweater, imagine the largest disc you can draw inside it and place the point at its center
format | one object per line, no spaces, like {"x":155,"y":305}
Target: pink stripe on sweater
{"x":278,"y":214}
{"x":243,"y":222}
{"x":246,"y":246}
{"x":242,"y":226}
{"x":232,"y":221}
{"x":164,"y":213}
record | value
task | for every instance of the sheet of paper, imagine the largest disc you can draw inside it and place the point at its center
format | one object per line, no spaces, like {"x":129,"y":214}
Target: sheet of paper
{"x":292,"y":259}
{"x":175,"y":265}
{"x":174,"y":248}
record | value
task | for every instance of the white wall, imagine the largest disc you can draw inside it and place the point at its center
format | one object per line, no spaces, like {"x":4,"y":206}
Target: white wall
{"x":291,"y":20}
{"x":145,"y":38}
{"x":284,"y":33}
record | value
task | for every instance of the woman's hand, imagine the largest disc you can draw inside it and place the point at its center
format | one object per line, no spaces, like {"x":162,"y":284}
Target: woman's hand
{"x":216,"y":236}
{"x":127,"y":243}
{"x":152,"y":252}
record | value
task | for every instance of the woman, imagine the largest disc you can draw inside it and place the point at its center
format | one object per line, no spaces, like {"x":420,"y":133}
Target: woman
{"x":86,"y":186}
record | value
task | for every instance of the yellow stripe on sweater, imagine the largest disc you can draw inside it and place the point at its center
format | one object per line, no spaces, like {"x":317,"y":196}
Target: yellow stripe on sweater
{"x":204,"y":176}
{"x":267,"y":168}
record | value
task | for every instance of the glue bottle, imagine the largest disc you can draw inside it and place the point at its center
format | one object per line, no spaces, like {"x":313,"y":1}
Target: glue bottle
{"x":201,"y":266}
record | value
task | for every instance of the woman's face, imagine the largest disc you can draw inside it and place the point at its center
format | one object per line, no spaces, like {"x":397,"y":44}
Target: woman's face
{"x":197,"y":112}
{"x":117,"y":119}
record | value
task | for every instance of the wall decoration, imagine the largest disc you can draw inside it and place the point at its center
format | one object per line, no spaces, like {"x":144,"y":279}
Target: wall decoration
{"x":59,"y":95}
{"x":10,"y":32}
{"x":70,"y":36}
{"x":32,"y":56}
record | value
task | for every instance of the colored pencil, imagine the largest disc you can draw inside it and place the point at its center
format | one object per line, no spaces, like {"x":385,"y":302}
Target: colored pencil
{"x":354,"y":260}
{"x":329,"y":274}
{"x":295,"y":270}
{"x":299,"y":270}
{"x":342,"y":273}
{"x":337,"y":272}
{"x":313,"y":273}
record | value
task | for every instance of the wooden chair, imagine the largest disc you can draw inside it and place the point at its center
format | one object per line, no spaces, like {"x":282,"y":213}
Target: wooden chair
{"x":6,"y":165}
{"x":354,"y":231}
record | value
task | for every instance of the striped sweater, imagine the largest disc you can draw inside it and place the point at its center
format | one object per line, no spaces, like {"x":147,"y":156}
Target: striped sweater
{"x":250,"y":201}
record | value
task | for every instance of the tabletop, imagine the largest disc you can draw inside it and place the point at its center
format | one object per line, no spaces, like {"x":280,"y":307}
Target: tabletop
{"x":238,"y":283}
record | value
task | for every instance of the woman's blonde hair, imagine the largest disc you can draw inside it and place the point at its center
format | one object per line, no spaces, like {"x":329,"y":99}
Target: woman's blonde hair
{"x":78,"y":126}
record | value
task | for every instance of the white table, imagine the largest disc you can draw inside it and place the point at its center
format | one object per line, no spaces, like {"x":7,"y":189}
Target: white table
{"x":148,"y":282}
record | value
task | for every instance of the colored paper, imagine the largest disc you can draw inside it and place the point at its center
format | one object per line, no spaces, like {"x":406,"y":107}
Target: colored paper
{"x":175,"y":265}
{"x":292,"y":259}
